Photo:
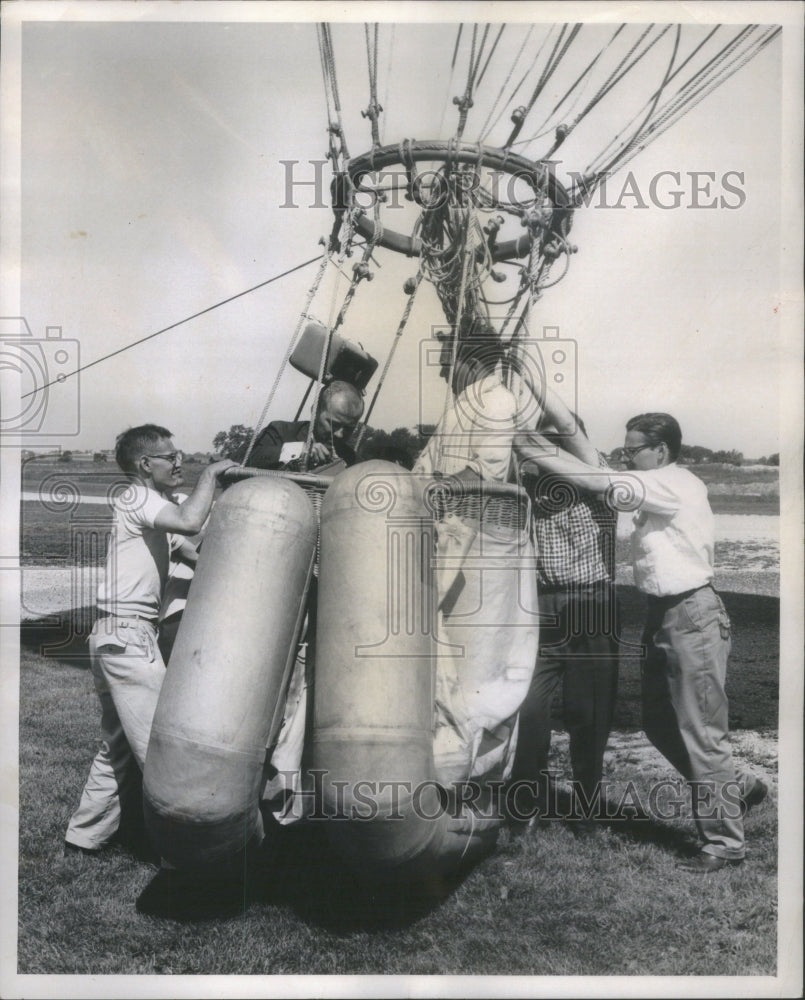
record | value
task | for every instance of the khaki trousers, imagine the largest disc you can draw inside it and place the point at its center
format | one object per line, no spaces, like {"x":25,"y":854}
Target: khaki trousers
{"x":685,"y":710}
{"x":128,"y":671}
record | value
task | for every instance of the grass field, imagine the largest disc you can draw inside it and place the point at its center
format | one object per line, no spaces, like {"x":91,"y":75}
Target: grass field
{"x":544,"y":903}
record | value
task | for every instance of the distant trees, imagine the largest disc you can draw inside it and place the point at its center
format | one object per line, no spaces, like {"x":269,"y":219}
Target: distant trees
{"x":233,"y":443}
{"x":728,"y":457}
{"x":694,"y":454}
{"x":770,"y":459}
{"x":99,"y":457}
{"x":66,"y":456}
{"x":402,"y":445}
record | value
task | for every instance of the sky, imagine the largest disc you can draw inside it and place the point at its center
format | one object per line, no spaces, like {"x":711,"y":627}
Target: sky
{"x":153,"y":185}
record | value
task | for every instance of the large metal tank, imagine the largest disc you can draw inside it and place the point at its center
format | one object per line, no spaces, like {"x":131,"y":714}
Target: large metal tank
{"x":374,"y":674}
{"x":223,"y":695}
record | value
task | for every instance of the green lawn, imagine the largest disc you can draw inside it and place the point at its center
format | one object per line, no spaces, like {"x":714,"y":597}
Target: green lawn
{"x":542,"y":904}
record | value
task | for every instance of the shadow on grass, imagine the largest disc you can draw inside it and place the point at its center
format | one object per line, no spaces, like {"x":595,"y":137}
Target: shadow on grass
{"x":628,"y":820}
{"x":61,"y":638}
{"x":296,"y":868}
{"x":304,"y":873}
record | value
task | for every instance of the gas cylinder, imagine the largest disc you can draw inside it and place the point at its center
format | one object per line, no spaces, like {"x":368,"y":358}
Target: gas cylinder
{"x":222,"y":699}
{"x":374,"y":675}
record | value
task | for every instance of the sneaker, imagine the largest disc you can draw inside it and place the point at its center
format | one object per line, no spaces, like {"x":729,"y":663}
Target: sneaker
{"x":756,"y":794}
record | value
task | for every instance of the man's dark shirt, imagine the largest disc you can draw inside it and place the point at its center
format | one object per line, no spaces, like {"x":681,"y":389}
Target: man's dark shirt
{"x":574,"y":533}
{"x":268,"y":446}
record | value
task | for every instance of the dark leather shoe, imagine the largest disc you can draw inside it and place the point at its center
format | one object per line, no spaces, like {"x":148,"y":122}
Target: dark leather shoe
{"x":755,"y":796}
{"x":703,"y":864}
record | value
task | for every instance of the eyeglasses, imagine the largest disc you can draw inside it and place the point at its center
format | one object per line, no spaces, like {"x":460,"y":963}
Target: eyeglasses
{"x":174,"y":457}
{"x":631,"y":452}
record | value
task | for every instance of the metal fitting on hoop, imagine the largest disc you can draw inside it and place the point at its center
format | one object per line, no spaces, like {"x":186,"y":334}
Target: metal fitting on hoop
{"x":361,"y":270}
{"x":518,"y":115}
{"x":562,"y":132}
{"x":534,"y":219}
{"x":372,"y":111}
{"x":410,"y":286}
{"x":463,"y":103}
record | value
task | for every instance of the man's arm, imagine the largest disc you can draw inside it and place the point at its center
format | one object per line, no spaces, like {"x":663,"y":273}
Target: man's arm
{"x":185,"y":552}
{"x":635,"y":489}
{"x":571,"y":437}
{"x":188,"y":518}
{"x":538,"y":454}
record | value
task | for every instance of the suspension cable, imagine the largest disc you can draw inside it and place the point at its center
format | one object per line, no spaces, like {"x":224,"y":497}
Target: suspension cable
{"x":613,"y":143}
{"x":328,"y":67}
{"x":394,"y":345}
{"x":647,"y":117}
{"x":663,"y":123}
{"x":388,"y":81}
{"x":554,"y":59}
{"x":325,"y":260}
{"x":465,"y":103}
{"x":702,"y":82}
{"x":484,"y":132}
{"x":491,"y":53}
{"x":543,"y":129}
{"x":374,"y":109}
{"x":450,"y":81}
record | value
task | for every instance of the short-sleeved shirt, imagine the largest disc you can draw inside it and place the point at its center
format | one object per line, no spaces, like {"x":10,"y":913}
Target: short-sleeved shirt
{"x":574,"y":533}
{"x":138,"y":557}
{"x":476,"y":432}
{"x":673,"y":532}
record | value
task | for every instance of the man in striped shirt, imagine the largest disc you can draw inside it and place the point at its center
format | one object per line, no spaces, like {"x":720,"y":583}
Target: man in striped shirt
{"x":574,"y":531}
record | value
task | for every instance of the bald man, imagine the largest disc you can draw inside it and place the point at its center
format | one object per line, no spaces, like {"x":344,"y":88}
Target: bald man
{"x":281,"y":443}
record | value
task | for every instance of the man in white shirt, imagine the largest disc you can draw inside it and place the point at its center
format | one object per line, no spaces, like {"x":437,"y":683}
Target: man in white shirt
{"x":687,"y":633}
{"x":127,"y":666}
{"x":474,"y":436}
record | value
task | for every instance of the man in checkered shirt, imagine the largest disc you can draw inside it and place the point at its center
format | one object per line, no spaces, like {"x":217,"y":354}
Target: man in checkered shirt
{"x":575,"y":541}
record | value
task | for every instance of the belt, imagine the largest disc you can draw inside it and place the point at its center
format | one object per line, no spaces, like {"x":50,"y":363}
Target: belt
{"x":675,"y":598}
{"x":125,"y":618}
{"x":560,"y":588}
